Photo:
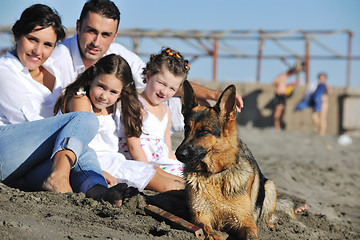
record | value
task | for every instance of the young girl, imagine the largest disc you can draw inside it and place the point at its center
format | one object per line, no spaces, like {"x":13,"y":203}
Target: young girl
{"x":163,"y":75}
{"x":98,"y":90}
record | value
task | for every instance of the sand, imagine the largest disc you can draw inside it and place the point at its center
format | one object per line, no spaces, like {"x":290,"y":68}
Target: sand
{"x":315,"y":168}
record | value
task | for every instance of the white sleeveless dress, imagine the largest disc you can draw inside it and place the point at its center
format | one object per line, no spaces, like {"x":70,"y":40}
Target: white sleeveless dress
{"x":105,"y":143}
{"x":153,"y":143}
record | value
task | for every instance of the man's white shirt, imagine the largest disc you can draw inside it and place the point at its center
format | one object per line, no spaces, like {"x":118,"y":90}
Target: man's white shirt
{"x":71,"y":63}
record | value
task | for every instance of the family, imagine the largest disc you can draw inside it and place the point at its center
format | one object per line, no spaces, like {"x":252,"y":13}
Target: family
{"x":85,"y":114}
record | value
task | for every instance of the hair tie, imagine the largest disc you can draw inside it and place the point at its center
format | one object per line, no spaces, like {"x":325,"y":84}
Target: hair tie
{"x":187,"y":67}
{"x":169,"y":52}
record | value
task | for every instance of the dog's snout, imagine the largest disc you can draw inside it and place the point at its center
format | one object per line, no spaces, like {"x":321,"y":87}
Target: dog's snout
{"x":182,"y":153}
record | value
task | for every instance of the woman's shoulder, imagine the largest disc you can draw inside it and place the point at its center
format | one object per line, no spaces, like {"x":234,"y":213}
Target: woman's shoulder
{"x":60,"y":53}
{"x":11,"y":68}
{"x":8,"y":60}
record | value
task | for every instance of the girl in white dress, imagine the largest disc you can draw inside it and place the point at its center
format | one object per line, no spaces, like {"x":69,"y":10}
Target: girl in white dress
{"x":98,"y":90}
{"x":163,"y":75}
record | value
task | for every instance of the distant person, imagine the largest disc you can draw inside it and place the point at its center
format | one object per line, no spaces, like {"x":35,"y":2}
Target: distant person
{"x":38,"y":151}
{"x":164,"y":74}
{"x":317,"y":98}
{"x":96,"y":31}
{"x":98,"y":90}
{"x":282,"y":91}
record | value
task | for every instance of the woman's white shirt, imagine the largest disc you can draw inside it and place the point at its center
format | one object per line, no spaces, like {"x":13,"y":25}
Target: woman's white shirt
{"x":22,"y":98}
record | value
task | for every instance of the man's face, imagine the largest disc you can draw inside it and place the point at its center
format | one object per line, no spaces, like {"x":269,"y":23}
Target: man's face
{"x":95,"y":34}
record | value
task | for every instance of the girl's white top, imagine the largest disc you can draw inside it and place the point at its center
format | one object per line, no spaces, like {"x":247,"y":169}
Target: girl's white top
{"x":105,"y":143}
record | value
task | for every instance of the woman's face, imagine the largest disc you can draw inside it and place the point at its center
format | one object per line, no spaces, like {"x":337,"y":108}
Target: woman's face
{"x":34,"y":48}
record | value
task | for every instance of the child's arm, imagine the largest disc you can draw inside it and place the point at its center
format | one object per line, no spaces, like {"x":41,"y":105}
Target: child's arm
{"x":135,"y":149}
{"x":79,"y":103}
{"x":167,"y":137}
{"x":110,"y":180}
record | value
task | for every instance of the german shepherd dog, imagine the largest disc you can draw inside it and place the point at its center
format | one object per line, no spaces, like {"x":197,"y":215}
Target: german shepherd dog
{"x":226,"y":188}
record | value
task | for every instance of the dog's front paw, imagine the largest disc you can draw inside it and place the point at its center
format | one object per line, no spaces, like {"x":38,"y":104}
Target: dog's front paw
{"x":214,"y":236}
{"x":210,"y":234}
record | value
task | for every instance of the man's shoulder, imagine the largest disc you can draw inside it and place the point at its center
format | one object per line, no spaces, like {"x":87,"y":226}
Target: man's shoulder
{"x":134,"y":60}
{"x":117,"y":48}
{"x":67,"y":42}
{"x":60,"y":52}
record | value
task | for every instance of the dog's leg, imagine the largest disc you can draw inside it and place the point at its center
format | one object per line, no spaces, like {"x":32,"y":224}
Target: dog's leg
{"x":290,"y":204}
{"x":205,"y":220}
{"x":269,"y":204}
{"x":248,"y":229}
{"x":245,"y":227}
{"x":210,"y":234}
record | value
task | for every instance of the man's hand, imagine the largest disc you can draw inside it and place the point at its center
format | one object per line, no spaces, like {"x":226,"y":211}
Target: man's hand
{"x":204,"y":93}
{"x":238,"y":99}
{"x":239,"y":103}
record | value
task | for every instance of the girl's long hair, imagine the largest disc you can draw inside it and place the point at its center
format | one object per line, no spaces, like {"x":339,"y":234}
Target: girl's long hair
{"x":131,"y":107}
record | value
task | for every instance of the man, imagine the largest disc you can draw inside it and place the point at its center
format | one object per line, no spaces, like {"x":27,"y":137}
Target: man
{"x":281,"y":93}
{"x":96,"y":31}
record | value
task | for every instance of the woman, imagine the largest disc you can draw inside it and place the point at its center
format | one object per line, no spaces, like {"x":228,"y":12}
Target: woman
{"x":44,"y":154}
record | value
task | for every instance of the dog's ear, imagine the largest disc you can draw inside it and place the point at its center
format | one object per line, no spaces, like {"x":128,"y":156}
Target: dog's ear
{"x":226,"y":105}
{"x":188,"y":99}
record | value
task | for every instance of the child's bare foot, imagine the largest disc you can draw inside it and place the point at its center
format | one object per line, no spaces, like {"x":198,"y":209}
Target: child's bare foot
{"x":115,"y":195}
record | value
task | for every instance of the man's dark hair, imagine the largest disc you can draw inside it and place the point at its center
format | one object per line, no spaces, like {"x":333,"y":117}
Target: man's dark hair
{"x":106,"y":8}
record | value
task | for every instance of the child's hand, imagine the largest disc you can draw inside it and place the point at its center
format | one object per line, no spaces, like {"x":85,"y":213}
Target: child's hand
{"x":111,"y":181}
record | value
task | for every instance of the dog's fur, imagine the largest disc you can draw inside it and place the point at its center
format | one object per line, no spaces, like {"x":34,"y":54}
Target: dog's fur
{"x":226,"y":188}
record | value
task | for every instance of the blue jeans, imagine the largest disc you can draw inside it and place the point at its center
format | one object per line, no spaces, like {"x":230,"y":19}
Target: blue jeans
{"x":26,"y":150}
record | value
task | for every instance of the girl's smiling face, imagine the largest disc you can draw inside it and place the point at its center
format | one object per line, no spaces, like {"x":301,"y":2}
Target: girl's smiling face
{"x":161,"y":86}
{"x":34,"y":48}
{"x":105,"y":90}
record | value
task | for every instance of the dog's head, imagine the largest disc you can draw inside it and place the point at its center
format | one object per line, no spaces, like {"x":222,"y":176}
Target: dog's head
{"x":210,"y":143}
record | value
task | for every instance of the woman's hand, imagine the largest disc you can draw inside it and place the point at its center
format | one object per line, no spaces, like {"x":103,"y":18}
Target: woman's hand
{"x":111,"y":181}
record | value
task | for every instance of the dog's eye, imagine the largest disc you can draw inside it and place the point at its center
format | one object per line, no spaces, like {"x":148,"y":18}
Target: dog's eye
{"x":203,"y":132}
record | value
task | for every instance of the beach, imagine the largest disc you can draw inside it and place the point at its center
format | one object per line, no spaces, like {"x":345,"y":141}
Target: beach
{"x":315,"y":168}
